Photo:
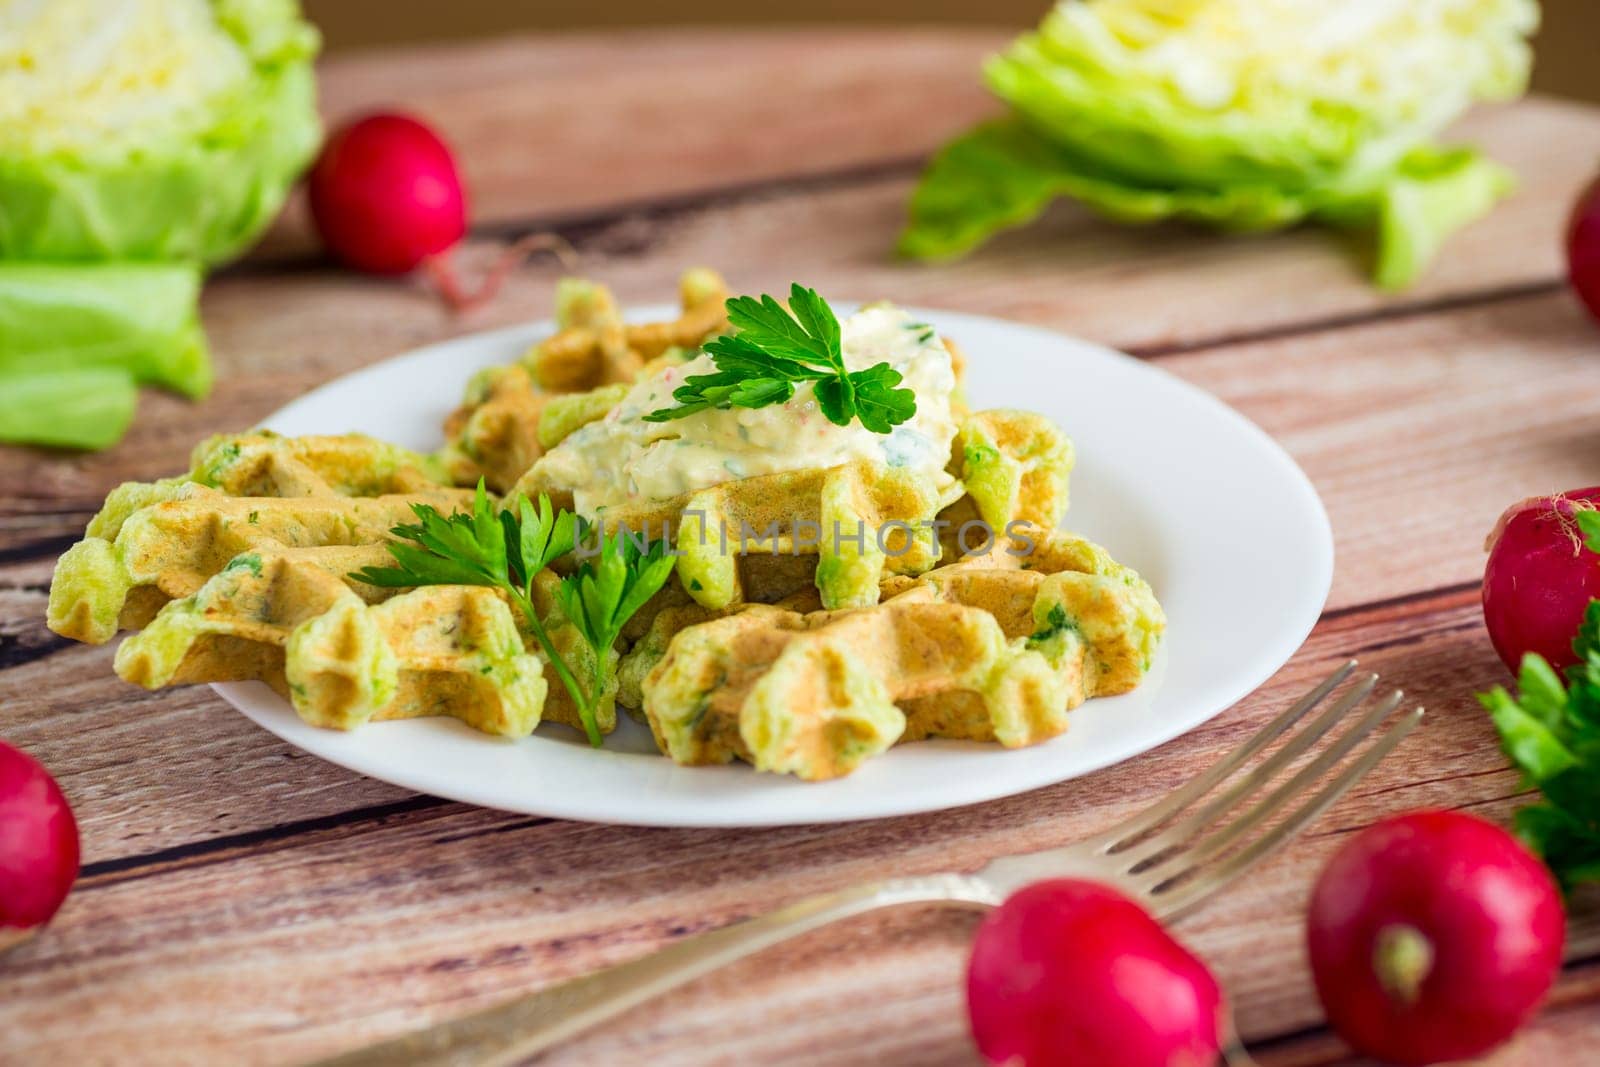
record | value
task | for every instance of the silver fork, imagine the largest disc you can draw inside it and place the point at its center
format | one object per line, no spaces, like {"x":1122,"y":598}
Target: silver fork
{"x":1167,"y":860}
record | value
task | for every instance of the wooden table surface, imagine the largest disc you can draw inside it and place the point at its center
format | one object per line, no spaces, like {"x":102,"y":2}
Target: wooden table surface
{"x":243,"y":902}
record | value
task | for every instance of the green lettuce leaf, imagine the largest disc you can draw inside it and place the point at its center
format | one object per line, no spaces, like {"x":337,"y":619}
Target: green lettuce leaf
{"x":137,"y":318}
{"x":182,"y":145}
{"x":1003,"y":174}
{"x":1429,"y":196}
{"x":87,"y":408}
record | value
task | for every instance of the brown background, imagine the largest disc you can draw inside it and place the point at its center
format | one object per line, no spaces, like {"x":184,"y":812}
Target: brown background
{"x":1569,"y":46}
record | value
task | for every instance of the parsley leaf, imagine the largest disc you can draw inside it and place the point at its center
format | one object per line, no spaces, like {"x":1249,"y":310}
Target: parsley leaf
{"x":724,"y":389}
{"x":879,"y":404}
{"x":537,"y":537}
{"x":461,"y":549}
{"x":1551,"y":731}
{"x":805,"y":332}
{"x":600,"y":597}
{"x":506,"y":549}
{"x":774,"y":349}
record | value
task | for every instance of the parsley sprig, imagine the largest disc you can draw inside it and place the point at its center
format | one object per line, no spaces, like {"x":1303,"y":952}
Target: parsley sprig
{"x":506,"y":550}
{"x":774,"y":349}
{"x":1551,"y":731}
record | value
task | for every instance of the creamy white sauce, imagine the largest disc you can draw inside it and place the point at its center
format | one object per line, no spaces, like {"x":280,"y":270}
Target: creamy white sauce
{"x":621,"y":459}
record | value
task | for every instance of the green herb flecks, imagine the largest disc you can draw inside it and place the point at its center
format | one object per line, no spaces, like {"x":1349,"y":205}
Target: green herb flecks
{"x":775,"y":349}
{"x":1551,"y":731}
{"x":1056,"y":623}
{"x":506,"y":550}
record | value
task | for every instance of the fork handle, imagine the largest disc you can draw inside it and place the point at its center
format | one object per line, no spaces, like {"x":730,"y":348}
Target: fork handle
{"x":513,"y":1031}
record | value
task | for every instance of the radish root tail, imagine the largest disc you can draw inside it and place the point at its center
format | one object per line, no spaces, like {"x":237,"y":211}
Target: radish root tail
{"x":447,"y":281}
{"x":1564,"y":508}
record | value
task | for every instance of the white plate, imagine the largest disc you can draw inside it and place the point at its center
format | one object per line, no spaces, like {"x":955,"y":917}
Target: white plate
{"x":1205,"y":505}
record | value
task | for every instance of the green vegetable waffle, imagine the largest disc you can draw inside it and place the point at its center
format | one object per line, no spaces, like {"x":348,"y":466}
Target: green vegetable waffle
{"x":512,"y":414}
{"x":994,"y":648}
{"x":243,"y":569}
{"x":594,"y":345}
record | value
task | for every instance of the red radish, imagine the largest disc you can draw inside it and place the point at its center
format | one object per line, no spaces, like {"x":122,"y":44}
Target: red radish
{"x":1583,"y":249}
{"x":1433,"y":936}
{"x":1068,"y":972}
{"x":1540,"y":578}
{"x":387,"y":198}
{"x":386,"y":195}
{"x":38,"y":846}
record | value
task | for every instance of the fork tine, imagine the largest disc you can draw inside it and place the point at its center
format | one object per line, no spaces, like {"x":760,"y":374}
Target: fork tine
{"x":1215,"y":844}
{"x":1169,"y":903}
{"x":1198,"y":786}
{"x":1185,"y":829}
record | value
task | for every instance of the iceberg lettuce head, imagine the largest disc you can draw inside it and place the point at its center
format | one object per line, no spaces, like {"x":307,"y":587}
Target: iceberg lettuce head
{"x":1243,"y":114}
{"x":150,"y":129}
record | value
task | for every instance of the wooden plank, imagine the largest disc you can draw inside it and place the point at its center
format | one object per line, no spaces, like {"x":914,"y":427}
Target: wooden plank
{"x":356,"y":930}
{"x":668,"y":115}
{"x":280,"y":333}
{"x":148,"y":772}
{"x":1146,"y":288}
{"x":1568,"y":1022}
{"x":555,"y":127}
